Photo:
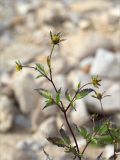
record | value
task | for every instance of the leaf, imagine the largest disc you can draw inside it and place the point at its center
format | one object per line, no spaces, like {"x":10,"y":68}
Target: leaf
{"x":94,"y":140}
{"x":56,"y":141}
{"x":68,"y":96}
{"x":65,"y":136}
{"x":71,"y":149}
{"x":45,"y":93}
{"x":39,"y":76}
{"x":79,"y":84}
{"x":104,"y":140}
{"x":58,"y":96}
{"x":41,"y":68}
{"x":83,"y":93}
{"x":83,"y":132}
{"x":103,"y":129}
{"x":49,"y":103}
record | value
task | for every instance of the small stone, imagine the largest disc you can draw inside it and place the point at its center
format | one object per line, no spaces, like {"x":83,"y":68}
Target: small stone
{"x":86,"y":63}
{"x":106,"y":64}
{"x":22,"y":121}
{"x":77,"y":76}
{"x":80,"y":116}
{"x":6,"y":114}
{"x":23,"y":86}
{"x":48,"y":127}
{"x":108,"y":151}
{"x":17,"y":51}
{"x":108,"y":105}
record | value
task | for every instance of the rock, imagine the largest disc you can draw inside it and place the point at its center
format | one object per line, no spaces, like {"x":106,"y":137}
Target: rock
{"x":22,"y":122}
{"x":106,"y":64}
{"x":39,"y":114}
{"x":80,"y":116}
{"x":29,"y":145}
{"x":85,"y":24}
{"x":24,"y":85}
{"x":6,"y":114}
{"x":116,"y":119}
{"x":87,"y":6}
{"x":108,"y":105}
{"x":48,"y":127}
{"x":5,"y":78}
{"x":73,"y":51}
{"x":108,"y":151}
{"x":58,"y":65}
{"x":86,"y":63}
{"x":60,"y":82}
{"x":7,"y":90}
{"x":22,"y":155}
{"x":50,"y":111}
{"x":17,"y":51}
{"x":77,"y":76}
{"x":53,"y":15}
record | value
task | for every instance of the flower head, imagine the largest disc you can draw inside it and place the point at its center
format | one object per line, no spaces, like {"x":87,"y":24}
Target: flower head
{"x":99,"y":95}
{"x":96,"y":81}
{"x":56,"y":38}
{"x":18,"y":66}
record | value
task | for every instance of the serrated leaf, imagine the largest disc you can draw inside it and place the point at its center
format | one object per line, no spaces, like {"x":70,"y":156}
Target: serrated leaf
{"x":56,"y":141}
{"x":73,"y":105}
{"x":49,"y":103}
{"x":58,"y":96}
{"x":94,"y":140}
{"x":83,"y":93}
{"x":45,"y":93}
{"x":103,"y":129}
{"x":71,"y":149}
{"x":68,"y":96}
{"x":65,"y":136}
{"x":41,"y":68}
{"x":104,"y":140}
{"x":83,"y":132}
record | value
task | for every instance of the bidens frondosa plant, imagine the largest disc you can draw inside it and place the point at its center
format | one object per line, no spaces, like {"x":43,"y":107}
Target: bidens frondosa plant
{"x":100,"y":135}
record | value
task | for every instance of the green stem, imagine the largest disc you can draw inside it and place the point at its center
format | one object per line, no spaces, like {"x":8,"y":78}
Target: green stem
{"x":114,"y":156}
{"x":76,"y":95}
{"x":72,"y":133}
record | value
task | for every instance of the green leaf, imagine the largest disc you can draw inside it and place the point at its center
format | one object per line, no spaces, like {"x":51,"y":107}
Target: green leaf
{"x":73,"y":105}
{"x":68,"y":96}
{"x":104,"y":140}
{"x":71,"y":149}
{"x":57,"y":141}
{"x":58,"y":96}
{"x":79,"y":84}
{"x":94,"y":140}
{"x":41,"y":68}
{"x":103,"y":129}
{"x":39,"y":76}
{"x":65,"y":136}
{"x":83,"y":132}
{"x":45,"y":93}
{"x":83,"y":93}
{"x":49,"y":103}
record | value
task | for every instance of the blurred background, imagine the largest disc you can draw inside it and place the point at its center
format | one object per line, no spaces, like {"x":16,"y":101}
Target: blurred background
{"x":92,"y":32}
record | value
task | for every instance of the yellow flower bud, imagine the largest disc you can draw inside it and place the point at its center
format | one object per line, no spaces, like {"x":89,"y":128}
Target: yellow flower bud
{"x":56,"y":38}
{"x":18,"y":66}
